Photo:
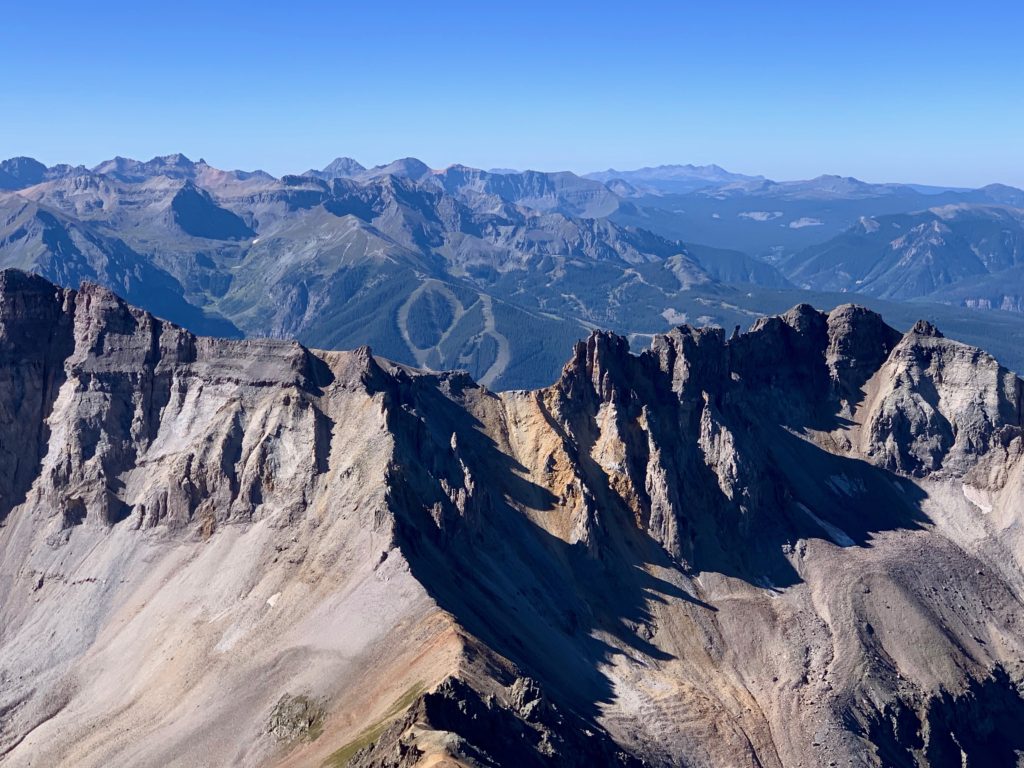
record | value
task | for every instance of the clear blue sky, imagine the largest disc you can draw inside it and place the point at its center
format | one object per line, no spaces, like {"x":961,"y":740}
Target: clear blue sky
{"x":931,"y":92}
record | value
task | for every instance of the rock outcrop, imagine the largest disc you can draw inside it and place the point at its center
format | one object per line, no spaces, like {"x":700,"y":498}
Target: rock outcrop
{"x":798,"y":545}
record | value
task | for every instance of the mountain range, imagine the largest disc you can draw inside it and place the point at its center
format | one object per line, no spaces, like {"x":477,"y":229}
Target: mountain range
{"x":499,"y":273}
{"x":974,"y":252}
{"x":799,"y":544}
{"x":672,"y":178}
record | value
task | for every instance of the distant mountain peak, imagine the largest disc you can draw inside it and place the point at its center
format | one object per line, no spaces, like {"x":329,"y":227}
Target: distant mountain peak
{"x":176,"y":158}
{"x":833,"y":177}
{"x":999,"y":188}
{"x":21,"y":162}
{"x":407,"y":167}
{"x":344,"y":166}
{"x":674,"y":178}
{"x":128,"y":169}
{"x":1003,"y":194}
{"x":18,"y":172}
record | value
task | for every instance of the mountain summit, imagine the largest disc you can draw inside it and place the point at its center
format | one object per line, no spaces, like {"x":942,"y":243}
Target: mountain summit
{"x":674,"y":178}
{"x":339,"y":168}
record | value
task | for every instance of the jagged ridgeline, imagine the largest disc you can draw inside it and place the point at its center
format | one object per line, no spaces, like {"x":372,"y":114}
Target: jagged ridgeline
{"x":800,"y":545}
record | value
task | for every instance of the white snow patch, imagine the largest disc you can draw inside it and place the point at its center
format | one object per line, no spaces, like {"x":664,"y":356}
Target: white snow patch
{"x":836,"y":534}
{"x":844,"y":485}
{"x":805,"y":221}
{"x":760,"y":215}
{"x":977,"y":497}
{"x":674,"y":316}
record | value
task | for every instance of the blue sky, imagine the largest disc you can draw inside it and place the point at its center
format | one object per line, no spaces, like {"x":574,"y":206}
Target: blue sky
{"x":898,"y":91}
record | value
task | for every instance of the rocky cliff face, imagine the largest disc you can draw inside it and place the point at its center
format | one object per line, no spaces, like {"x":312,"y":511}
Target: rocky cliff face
{"x":795,"y":545}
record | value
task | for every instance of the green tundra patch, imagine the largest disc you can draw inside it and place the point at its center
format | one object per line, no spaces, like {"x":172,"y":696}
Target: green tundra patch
{"x":340,"y":758}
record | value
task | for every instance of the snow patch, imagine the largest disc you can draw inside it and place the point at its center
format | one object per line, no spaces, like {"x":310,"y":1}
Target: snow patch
{"x":765,"y":583}
{"x":760,"y":215}
{"x":977,"y":497}
{"x":844,"y":485}
{"x":836,"y":534}
{"x":805,"y":221}
{"x":674,"y":316}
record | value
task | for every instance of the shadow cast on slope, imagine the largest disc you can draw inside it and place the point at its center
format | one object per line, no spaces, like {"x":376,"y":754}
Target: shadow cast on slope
{"x":36,"y":337}
{"x":761,"y":478}
{"x":805,"y":492}
{"x":535,"y":599}
{"x":802,"y":492}
{"x":560,"y":611}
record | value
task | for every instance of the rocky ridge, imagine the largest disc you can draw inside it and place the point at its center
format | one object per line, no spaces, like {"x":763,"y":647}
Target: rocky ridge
{"x":795,"y":545}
